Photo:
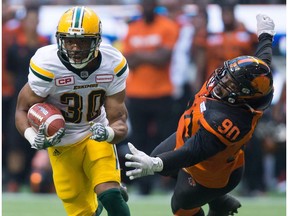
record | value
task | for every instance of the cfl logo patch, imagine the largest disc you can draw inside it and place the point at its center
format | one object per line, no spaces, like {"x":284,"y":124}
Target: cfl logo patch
{"x":64,"y":81}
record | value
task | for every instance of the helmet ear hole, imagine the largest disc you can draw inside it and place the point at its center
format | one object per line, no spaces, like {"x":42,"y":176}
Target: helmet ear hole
{"x":245,"y":91}
{"x":232,"y":98}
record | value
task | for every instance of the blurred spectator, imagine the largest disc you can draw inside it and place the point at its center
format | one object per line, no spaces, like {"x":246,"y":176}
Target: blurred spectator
{"x":41,"y":180}
{"x":279,"y":116}
{"x":113,"y":2}
{"x":24,"y":42}
{"x":214,"y":48}
{"x":181,"y":73}
{"x":180,"y":69}
{"x":254,"y":1}
{"x":200,"y":24}
{"x":9,"y":23}
{"x":148,"y":48}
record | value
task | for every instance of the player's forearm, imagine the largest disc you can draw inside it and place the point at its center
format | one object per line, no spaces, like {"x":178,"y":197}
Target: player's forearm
{"x":120,"y":129}
{"x":21,"y":121}
{"x":264,"y":48}
{"x":196,"y":149}
{"x":23,"y":126}
{"x":117,"y":115}
{"x":26,"y":99}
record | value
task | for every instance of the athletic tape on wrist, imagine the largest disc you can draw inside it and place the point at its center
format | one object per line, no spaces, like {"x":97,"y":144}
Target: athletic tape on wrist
{"x":111,"y":134}
{"x":30,"y":135}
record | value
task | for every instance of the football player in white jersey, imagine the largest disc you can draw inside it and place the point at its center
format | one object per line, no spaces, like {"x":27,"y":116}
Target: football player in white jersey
{"x":86,"y":81}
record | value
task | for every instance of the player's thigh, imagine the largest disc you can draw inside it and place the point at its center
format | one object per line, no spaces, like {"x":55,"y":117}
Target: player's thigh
{"x":101,"y":162}
{"x":72,"y":185}
{"x":68,"y":175}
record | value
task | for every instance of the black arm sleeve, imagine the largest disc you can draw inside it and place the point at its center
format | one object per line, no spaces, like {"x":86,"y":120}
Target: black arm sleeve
{"x":264,"y":48}
{"x":196,"y":149}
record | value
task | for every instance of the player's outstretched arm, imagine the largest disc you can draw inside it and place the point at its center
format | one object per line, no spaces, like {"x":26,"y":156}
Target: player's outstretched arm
{"x":265,"y":32}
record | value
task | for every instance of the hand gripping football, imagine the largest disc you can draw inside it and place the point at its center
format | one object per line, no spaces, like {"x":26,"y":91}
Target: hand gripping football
{"x":46,"y":113}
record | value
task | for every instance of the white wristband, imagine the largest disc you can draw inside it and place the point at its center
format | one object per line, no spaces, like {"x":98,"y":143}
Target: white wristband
{"x":111,"y":134}
{"x":271,"y":32}
{"x":30,"y":135}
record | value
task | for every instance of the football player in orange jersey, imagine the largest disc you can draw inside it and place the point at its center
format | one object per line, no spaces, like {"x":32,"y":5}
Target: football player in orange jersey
{"x":206,"y":154}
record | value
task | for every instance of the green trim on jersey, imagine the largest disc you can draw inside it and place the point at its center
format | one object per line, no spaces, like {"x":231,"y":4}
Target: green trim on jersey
{"x":40,"y":75}
{"x":121,"y":67}
{"x":117,"y":160}
{"x":122,"y":70}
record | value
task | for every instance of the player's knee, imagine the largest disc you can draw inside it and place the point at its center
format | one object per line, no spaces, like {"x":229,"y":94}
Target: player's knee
{"x":182,"y":199}
{"x":67,"y":195}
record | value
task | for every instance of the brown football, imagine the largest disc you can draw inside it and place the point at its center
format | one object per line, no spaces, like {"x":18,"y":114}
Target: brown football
{"x":48,"y":114}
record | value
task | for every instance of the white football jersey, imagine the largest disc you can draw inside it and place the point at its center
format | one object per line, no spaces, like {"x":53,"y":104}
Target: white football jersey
{"x":80,"y":96}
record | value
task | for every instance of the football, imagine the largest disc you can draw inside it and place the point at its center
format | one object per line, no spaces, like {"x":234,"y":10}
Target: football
{"x":48,"y":114}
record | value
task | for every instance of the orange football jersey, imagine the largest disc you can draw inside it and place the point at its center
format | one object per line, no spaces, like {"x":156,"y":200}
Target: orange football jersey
{"x":232,"y":126}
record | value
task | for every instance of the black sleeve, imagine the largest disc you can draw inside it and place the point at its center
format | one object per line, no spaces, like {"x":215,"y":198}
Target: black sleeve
{"x":196,"y":149}
{"x":264,"y":48}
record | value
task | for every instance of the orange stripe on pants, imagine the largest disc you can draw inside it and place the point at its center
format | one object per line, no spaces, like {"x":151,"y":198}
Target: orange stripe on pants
{"x":189,"y":212}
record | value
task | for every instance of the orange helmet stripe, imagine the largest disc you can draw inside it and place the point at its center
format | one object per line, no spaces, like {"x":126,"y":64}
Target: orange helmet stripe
{"x":258,"y":61}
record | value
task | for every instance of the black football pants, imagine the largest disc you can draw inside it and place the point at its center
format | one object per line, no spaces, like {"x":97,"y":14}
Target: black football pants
{"x":188,"y":194}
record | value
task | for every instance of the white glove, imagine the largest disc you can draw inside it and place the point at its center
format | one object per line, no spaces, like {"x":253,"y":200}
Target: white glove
{"x":144,"y":165}
{"x":265,"y":25}
{"x":39,"y":140}
{"x":101,"y":133}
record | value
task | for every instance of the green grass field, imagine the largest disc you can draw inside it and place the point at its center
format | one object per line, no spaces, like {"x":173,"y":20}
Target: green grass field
{"x":27,"y":204}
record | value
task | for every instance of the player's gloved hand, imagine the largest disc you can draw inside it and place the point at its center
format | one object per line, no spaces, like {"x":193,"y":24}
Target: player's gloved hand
{"x":144,"y":165}
{"x":41,"y":141}
{"x":265,"y":25}
{"x":101,"y":133}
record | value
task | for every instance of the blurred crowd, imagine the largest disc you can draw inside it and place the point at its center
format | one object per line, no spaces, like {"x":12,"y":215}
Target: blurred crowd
{"x":113,"y":2}
{"x":183,"y":61}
